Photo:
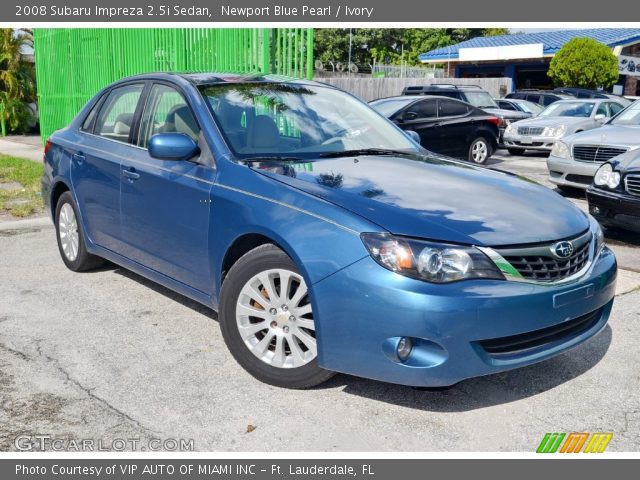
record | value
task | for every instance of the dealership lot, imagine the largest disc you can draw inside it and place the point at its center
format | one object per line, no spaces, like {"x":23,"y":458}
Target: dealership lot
{"x":108,"y":355}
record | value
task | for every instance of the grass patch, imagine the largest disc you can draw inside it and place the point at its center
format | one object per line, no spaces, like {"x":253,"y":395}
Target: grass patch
{"x":26,"y":199}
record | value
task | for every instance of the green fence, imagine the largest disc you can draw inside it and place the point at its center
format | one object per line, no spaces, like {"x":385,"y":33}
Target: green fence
{"x":72,"y":64}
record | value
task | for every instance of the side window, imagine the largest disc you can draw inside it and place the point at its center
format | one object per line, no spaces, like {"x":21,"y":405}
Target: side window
{"x":88,"y":121}
{"x":548,"y":100}
{"x":615,"y":108}
{"x":116,"y":115}
{"x":450,"y":108}
{"x":602,"y":109}
{"x":506,"y":105}
{"x":166,"y":111}
{"x":424,"y":109}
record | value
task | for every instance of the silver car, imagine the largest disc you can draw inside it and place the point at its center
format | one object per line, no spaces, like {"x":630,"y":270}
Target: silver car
{"x":558,"y":120}
{"x":575,"y":159}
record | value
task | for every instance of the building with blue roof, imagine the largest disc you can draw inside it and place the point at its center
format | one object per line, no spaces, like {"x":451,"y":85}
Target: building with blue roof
{"x":525,"y":57}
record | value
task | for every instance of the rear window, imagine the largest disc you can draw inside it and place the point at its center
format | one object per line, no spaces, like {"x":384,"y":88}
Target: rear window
{"x":389,"y":106}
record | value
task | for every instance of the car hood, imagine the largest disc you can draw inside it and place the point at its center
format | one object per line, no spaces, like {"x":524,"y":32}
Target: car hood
{"x":437,"y":198}
{"x":629,"y":161}
{"x":622,"y":135}
{"x":553,"y":121}
{"x":503,"y":113}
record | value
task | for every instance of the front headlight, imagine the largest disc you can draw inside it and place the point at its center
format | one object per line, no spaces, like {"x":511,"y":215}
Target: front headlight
{"x":607,"y":177}
{"x":510,"y":128}
{"x":429,"y":261}
{"x":560,"y":150}
{"x":554,"y":131}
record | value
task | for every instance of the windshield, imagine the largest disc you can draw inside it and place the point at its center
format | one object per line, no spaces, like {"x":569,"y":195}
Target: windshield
{"x":568,"y":109}
{"x":530,"y":107}
{"x":480,"y":99}
{"x":389,"y":106}
{"x":629,"y":116}
{"x":296,"y":120}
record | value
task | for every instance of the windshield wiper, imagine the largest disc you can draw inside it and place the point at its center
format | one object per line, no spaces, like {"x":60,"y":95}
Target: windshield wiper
{"x":271,"y":158}
{"x":364,"y":151}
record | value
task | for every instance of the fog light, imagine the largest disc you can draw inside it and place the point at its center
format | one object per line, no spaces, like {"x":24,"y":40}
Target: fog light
{"x":595,"y":210}
{"x":403,"y":350}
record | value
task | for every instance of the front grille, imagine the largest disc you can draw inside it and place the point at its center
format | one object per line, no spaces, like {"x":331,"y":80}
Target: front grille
{"x":632,"y":184}
{"x":530,"y":130}
{"x":539,"y":264}
{"x":596,"y":153}
{"x":538,"y":338}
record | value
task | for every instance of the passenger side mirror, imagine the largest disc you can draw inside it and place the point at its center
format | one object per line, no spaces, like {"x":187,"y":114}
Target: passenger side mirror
{"x":408,"y":116}
{"x":413,"y":136}
{"x":600,"y":117}
{"x":172,"y":146}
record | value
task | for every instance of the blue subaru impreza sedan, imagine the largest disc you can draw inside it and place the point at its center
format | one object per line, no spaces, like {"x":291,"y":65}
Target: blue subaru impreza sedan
{"x":326,"y":239}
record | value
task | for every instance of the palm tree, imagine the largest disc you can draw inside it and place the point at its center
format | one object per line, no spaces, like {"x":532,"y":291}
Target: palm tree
{"x":17,"y":79}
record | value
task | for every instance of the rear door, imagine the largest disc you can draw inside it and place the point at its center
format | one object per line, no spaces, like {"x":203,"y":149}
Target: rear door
{"x":105,"y":139}
{"x":166,"y":203}
{"x":455,"y":126}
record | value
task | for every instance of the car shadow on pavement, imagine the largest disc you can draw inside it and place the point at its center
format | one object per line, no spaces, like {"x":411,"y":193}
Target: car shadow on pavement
{"x":156,"y":287}
{"x":485,"y":391}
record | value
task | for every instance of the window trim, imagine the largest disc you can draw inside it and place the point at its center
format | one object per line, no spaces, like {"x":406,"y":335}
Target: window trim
{"x":103,"y":100}
{"x":177,"y":88}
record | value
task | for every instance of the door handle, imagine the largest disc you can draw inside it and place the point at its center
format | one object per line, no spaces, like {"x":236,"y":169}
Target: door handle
{"x":79,"y":157}
{"x":131,"y":174}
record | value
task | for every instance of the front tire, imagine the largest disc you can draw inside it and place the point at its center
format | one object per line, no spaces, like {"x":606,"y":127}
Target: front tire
{"x":479,"y":151}
{"x":70,"y":236}
{"x":267,"y":320}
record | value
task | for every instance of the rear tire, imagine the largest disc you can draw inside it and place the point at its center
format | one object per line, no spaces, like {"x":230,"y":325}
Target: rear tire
{"x":479,"y":151}
{"x":267,"y":321}
{"x":516,"y":151}
{"x":70,"y":237}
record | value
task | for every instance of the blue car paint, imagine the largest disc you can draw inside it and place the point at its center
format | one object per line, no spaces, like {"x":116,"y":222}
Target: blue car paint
{"x":360,"y":307}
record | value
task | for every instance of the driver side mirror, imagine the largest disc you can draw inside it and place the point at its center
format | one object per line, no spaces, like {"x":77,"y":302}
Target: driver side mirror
{"x":408,"y":116}
{"x":600,"y":117}
{"x":172,"y":146}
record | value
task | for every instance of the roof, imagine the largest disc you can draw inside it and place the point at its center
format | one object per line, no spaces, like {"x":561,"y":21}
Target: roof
{"x":551,"y":41}
{"x":207,"y":78}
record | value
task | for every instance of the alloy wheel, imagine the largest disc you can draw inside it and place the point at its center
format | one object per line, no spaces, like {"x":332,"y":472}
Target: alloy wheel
{"x":275,"y":319}
{"x":68,"y":232}
{"x":479,"y":151}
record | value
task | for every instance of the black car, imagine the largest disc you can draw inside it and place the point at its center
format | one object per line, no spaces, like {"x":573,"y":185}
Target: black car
{"x":445,"y":125}
{"x":541,"y":97}
{"x":614,"y":196}
{"x":473,"y":95}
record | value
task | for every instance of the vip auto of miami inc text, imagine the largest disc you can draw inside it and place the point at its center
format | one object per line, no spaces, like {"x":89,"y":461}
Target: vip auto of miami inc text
{"x":175,"y":10}
{"x":131,"y":469}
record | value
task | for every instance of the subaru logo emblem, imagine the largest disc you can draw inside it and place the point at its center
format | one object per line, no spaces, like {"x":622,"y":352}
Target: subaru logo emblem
{"x":562,"y":249}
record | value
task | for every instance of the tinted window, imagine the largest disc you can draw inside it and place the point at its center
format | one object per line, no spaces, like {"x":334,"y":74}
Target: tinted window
{"x":615,"y":108}
{"x":167,"y":111}
{"x":88,"y":121}
{"x":424,"y":108}
{"x":480,"y":99}
{"x":449,"y":108}
{"x":534,"y":98}
{"x":506,"y":105}
{"x":602,"y":110}
{"x":116,"y":115}
{"x":548,"y":99}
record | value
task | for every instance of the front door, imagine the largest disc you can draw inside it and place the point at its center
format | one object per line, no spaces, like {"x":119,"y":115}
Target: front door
{"x":166,"y":203}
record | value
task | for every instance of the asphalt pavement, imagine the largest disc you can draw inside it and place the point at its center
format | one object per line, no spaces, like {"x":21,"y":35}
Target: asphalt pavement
{"x":107,"y":356}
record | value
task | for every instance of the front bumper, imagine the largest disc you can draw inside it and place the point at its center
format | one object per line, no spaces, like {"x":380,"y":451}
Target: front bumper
{"x":363,"y":309}
{"x":614,"y":209}
{"x":540,"y":143}
{"x":568,"y":172}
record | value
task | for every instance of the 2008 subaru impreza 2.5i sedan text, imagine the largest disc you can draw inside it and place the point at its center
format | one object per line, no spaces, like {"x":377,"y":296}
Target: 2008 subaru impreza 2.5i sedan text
{"x":326,"y":239}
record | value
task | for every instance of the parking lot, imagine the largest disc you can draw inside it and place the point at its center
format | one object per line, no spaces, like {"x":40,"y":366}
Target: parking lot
{"x":109,"y":355}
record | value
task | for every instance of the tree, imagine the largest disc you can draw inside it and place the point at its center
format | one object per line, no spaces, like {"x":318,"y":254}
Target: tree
{"x":17,"y":79}
{"x":585,"y":63}
{"x":389,"y":45}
